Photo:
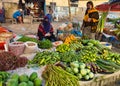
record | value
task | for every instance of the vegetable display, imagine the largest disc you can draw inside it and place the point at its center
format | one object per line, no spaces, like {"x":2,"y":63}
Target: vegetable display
{"x":80,"y":70}
{"x":45,"y":44}
{"x":94,"y":68}
{"x":24,"y":80}
{"x":25,"y":39}
{"x":107,"y":66}
{"x":8,"y":61}
{"x":43,"y":58}
{"x":56,"y":76}
{"x":69,"y":39}
{"x":63,"y":48}
{"x":3,"y":77}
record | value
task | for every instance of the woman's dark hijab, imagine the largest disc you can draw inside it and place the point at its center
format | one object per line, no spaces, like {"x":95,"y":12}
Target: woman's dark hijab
{"x":46,"y":24}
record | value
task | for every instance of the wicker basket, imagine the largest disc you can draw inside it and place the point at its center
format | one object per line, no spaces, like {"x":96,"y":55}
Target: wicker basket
{"x":17,"y":48}
{"x":6,"y":35}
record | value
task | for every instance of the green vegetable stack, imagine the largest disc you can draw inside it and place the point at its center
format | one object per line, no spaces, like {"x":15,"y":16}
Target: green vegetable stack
{"x":25,"y":39}
{"x":56,"y":76}
{"x":63,"y":48}
{"x":43,"y":58}
{"x":80,"y":70}
{"x":45,"y":44}
{"x":24,"y":80}
{"x":3,"y":77}
{"x":107,"y":65}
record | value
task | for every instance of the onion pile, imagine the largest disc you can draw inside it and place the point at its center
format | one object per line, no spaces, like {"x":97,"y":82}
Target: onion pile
{"x":9,"y":61}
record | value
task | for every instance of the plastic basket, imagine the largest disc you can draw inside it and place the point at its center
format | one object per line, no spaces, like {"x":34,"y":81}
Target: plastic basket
{"x":17,"y":48}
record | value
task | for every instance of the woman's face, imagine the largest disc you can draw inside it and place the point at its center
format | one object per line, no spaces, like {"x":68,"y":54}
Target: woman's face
{"x":89,"y":6}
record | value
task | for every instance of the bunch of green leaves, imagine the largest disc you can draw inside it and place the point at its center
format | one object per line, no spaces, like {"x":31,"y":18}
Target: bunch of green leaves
{"x":45,"y":44}
{"x":25,"y":39}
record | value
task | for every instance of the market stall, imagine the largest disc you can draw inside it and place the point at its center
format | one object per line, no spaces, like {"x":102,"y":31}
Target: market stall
{"x":76,"y":59}
{"x":111,"y":22}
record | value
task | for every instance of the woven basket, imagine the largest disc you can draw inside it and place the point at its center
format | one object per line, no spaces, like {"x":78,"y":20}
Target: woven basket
{"x":17,"y":48}
{"x":6,"y":35}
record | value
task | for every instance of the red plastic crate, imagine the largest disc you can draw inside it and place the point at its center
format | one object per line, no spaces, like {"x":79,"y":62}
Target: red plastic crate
{"x":2,"y":45}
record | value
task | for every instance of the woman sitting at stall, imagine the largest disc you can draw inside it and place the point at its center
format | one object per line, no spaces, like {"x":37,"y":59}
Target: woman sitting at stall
{"x":66,"y":29}
{"x":45,"y":30}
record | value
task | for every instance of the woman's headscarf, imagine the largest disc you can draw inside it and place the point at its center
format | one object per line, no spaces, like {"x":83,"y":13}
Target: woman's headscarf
{"x":46,"y":24}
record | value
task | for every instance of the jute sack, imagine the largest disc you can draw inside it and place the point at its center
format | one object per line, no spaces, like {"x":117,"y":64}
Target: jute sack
{"x":30,"y":47}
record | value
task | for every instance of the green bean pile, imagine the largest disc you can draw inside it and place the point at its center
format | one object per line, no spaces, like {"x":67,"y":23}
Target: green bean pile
{"x":56,"y":76}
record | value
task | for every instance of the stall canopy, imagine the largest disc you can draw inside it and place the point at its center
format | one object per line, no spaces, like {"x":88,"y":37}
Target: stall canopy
{"x":107,"y":6}
{"x":113,"y":1}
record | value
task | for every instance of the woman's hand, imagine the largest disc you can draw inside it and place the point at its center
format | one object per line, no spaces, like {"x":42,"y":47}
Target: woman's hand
{"x":89,"y":19}
{"x":47,"y":34}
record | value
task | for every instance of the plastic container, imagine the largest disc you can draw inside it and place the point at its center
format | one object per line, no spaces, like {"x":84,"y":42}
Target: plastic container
{"x":109,"y":45}
{"x":2,"y":45}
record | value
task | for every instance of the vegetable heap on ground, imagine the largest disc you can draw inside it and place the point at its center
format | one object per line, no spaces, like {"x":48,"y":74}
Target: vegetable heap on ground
{"x":44,"y":44}
{"x":8,"y":61}
{"x":86,"y":51}
{"x":56,"y":76}
{"x":23,"y":80}
{"x":45,"y":57}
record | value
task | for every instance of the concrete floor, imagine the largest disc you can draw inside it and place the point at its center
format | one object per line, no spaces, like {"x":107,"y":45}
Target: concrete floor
{"x":27,"y":28}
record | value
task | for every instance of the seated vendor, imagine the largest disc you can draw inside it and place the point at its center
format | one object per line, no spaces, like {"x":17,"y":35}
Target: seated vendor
{"x":62,"y":32}
{"x":18,"y":16}
{"x":45,"y":30}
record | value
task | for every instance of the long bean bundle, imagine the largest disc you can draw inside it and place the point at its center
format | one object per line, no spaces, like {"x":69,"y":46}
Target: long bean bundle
{"x":56,"y":76}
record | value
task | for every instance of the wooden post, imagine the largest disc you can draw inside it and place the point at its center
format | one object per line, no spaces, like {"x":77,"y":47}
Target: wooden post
{"x":69,"y":5}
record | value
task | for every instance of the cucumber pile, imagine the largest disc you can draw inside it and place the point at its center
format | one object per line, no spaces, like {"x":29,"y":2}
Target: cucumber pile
{"x":107,"y":65}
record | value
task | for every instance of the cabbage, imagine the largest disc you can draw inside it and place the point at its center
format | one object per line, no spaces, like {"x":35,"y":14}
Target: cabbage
{"x":88,"y":70}
{"x":74,"y":64}
{"x":91,"y":75}
{"x":79,"y":76}
{"x":68,"y":69}
{"x":83,"y":72}
{"x":87,"y":77}
{"x":75,"y":70}
{"x":82,"y":65}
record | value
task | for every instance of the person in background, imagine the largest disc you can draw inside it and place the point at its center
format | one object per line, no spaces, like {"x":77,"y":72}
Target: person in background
{"x":60,"y":32}
{"x":45,"y":30}
{"x":67,"y":29}
{"x":90,"y":21}
{"x":41,"y":14}
{"x":49,"y":15}
{"x":27,"y":11}
{"x":18,"y":15}
{"x":2,"y":14}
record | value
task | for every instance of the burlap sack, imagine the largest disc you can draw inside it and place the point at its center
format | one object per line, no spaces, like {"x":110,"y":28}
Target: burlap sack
{"x":30,"y":47}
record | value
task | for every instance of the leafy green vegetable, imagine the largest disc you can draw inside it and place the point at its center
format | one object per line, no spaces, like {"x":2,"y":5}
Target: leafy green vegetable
{"x":25,"y":39}
{"x":45,"y":44}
